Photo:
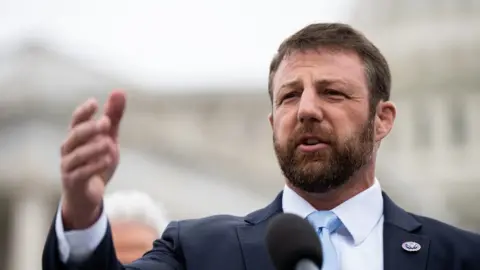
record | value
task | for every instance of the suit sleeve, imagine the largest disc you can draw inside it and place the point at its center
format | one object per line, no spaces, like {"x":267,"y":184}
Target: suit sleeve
{"x":165,"y":255}
{"x":473,"y":263}
{"x":75,"y":246}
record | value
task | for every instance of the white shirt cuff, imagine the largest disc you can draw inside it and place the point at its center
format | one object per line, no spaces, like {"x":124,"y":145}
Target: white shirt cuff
{"x":76,"y":246}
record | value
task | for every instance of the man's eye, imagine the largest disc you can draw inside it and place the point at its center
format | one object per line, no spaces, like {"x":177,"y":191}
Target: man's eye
{"x":332,"y":92}
{"x":289,"y":95}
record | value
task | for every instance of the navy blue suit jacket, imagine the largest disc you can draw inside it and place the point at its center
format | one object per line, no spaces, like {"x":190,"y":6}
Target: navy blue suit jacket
{"x":237,"y":243}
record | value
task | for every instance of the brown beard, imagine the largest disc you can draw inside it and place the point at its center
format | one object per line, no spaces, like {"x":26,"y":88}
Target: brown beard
{"x":329,"y":168}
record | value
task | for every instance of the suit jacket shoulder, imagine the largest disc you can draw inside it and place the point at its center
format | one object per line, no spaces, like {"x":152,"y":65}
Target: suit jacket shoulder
{"x":211,"y":223}
{"x":192,"y":241}
{"x":451,"y":240}
{"x":220,"y":241}
{"x":426,"y":243}
{"x":204,"y":232}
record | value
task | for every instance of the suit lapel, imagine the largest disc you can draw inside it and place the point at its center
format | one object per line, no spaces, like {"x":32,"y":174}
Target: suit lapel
{"x":404,"y":247}
{"x":252,"y":235}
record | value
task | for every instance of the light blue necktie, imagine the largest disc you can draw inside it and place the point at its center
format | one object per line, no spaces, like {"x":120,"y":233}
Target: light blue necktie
{"x":325,"y":223}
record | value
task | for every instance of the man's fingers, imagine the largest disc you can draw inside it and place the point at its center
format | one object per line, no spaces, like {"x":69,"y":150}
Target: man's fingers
{"x":114,"y":109}
{"x":84,"y":132}
{"x":87,"y":152}
{"x":90,"y":150}
{"x":84,"y":112}
{"x":81,"y":175}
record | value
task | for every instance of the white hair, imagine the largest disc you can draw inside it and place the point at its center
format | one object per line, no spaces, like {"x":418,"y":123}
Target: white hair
{"x":135,"y":206}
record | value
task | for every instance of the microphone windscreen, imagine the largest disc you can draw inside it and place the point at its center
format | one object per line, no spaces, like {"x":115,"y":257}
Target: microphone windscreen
{"x":290,"y":239}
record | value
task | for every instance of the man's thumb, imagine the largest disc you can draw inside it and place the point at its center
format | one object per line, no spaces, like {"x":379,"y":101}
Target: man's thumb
{"x":114,"y":108}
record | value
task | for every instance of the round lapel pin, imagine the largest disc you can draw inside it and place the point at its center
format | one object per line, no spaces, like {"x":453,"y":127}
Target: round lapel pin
{"x":411,"y":246}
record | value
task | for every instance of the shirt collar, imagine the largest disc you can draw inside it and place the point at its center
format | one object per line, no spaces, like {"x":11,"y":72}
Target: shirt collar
{"x":359,"y":215}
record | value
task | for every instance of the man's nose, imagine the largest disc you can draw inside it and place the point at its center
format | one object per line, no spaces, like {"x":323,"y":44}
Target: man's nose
{"x":309,"y":108}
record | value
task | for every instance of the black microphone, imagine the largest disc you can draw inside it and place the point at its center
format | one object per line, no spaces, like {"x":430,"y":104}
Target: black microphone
{"x":293,"y":244}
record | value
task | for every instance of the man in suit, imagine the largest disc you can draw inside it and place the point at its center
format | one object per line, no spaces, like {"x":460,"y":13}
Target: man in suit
{"x":329,"y":88}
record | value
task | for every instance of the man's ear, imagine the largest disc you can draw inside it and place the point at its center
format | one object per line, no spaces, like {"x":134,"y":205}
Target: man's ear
{"x":384,"y":118}
{"x":270,"y":119}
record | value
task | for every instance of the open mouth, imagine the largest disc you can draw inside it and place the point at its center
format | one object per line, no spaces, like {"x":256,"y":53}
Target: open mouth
{"x":311,"y":144}
{"x":310,"y":141}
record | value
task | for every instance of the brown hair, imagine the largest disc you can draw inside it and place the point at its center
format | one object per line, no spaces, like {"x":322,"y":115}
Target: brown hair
{"x":338,"y":36}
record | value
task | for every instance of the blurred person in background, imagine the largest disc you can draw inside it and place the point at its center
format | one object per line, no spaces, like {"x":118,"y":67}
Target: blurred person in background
{"x":329,"y":88}
{"x":136,"y":222}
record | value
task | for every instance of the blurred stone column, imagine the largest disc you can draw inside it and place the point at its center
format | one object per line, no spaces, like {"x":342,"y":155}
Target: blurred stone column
{"x":473,"y":111}
{"x":441,"y":128}
{"x":30,"y":219}
{"x":405,"y":132}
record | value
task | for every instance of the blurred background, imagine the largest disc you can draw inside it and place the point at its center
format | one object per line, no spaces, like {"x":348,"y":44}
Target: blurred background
{"x":195,"y":136}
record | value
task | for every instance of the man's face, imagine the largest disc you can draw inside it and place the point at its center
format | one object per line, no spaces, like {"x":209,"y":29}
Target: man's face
{"x":323,"y":128}
{"x":132,"y":240}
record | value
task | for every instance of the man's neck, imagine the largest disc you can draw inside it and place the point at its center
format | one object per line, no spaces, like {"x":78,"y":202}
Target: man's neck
{"x":361,"y":181}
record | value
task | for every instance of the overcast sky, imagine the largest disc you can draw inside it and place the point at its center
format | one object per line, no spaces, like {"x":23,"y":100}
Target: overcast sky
{"x":168,"y":43}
